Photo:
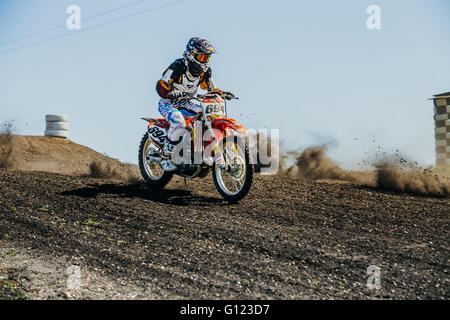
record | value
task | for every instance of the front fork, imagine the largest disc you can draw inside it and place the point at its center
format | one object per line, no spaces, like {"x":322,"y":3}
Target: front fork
{"x":218,"y":152}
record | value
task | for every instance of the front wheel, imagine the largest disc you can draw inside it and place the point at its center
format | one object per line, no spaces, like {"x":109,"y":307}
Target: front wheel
{"x":153,"y":174}
{"x":233,"y":176}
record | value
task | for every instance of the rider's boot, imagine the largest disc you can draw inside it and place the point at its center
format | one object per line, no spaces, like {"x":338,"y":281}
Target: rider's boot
{"x":167,"y":162}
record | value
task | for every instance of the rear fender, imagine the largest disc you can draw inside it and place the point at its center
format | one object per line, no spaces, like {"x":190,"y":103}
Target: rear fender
{"x":162,"y":123}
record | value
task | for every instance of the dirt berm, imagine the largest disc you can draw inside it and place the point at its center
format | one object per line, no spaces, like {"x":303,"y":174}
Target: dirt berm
{"x":288,"y":239}
{"x":57,"y":155}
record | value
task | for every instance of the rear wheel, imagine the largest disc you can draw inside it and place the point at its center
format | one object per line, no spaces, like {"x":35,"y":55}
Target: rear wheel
{"x":153,"y":174}
{"x":234,"y":177}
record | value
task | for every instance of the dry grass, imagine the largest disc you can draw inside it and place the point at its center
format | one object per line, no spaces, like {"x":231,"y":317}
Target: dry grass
{"x":5,"y":150}
{"x":6,"y":145}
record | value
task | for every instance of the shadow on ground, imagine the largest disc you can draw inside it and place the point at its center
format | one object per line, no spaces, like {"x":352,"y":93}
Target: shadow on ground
{"x":140,"y":190}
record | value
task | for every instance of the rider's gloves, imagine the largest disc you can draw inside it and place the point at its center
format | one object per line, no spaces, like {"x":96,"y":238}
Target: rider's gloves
{"x":187,"y":95}
{"x":228,"y":95}
{"x":174,"y":94}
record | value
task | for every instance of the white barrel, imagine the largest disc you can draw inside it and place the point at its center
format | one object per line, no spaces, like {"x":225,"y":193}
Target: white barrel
{"x":57,"y":133}
{"x":57,"y":125}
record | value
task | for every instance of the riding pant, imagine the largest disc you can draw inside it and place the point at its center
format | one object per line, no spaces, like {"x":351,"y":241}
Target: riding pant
{"x":175,"y":112}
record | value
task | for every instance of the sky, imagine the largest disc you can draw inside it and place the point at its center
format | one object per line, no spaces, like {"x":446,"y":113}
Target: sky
{"x":309,"y":68}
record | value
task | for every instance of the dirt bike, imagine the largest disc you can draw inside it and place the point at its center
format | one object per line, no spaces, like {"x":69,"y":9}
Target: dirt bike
{"x":223,"y":149}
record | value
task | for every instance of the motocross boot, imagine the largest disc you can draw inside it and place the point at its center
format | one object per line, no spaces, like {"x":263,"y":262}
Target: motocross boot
{"x":167,"y":162}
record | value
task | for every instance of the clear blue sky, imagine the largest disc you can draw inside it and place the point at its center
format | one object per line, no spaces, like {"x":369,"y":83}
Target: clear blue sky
{"x":310,"y":68}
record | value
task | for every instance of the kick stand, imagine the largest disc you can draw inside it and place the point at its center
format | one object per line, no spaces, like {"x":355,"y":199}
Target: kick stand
{"x":185,"y":182}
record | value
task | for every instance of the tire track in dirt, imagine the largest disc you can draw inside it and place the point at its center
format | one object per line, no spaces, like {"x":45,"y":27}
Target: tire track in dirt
{"x":288,"y":239}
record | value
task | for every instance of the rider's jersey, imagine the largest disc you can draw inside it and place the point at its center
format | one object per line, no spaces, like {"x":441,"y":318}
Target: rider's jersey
{"x":177,"y":76}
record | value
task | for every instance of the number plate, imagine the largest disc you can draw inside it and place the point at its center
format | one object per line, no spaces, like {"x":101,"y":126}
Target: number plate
{"x":157,"y":134}
{"x":216,"y":110}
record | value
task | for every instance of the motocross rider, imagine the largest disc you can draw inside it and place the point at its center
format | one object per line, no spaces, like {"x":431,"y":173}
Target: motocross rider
{"x":183,"y":78}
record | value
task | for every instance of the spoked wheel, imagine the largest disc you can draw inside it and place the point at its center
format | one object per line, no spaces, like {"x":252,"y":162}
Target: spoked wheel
{"x":152,"y":173}
{"x":233,"y":178}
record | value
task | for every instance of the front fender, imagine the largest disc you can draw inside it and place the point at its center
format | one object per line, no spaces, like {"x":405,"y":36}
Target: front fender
{"x":225,"y":124}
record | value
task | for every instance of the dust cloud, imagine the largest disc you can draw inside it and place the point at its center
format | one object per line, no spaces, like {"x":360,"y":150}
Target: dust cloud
{"x":393,"y":174}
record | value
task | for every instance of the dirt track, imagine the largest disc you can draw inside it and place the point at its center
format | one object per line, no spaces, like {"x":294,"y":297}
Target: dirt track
{"x":289,"y":239}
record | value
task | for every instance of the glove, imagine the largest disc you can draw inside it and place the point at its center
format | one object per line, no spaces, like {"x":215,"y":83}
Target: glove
{"x":187,"y":95}
{"x":228,"y":95}
{"x":174,"y":94}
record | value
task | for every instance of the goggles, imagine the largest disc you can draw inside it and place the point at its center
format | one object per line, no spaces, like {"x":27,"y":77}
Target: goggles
{"x":201,"y":57}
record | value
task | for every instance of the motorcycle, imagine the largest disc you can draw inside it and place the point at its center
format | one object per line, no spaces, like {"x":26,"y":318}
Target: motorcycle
{"x":222,"y":149}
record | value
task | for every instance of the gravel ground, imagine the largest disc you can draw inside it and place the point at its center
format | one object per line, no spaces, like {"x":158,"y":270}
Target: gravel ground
{"x":288,"y":239}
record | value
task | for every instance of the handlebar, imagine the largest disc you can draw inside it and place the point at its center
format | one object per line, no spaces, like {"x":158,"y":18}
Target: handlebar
{"x":224,"y":94}
{"x":212,"y":94}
